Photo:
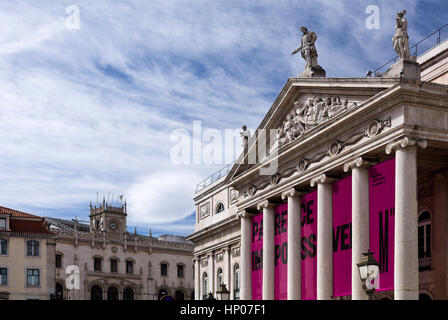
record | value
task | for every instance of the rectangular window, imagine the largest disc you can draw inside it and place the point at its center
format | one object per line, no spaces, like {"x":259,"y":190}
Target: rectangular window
{"x":163,"y":269}
{"x":180,"y":271}
{"x":32,"y":277}
{"x":3,"y":223}
{"x":97,"y":264}
{"x":58,"y":261}
{"x":3,"y":276}
{"x":113,"y":265}
{"x":32,"y":248}
{"x":3,"y":247}
{"x":129,"y":267}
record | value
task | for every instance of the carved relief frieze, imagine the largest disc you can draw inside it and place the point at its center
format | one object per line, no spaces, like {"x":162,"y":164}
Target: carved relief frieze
{"x":204,"y":210}
{"x":373,"y":129}
{"x":307,"y":114}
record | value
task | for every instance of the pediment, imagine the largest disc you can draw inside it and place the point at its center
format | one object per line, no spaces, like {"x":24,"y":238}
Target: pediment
{"x":305,"y":105}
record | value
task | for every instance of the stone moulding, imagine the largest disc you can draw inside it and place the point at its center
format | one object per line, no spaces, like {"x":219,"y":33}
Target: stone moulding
{"x":373,"y":129}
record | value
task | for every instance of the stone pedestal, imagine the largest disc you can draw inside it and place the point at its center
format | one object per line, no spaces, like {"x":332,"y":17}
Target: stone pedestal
{"x":313,"y":72}
{"x":404,"y":68}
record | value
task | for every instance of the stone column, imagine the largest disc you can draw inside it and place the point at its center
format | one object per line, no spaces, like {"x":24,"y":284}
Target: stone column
{"x":268,"y":249}
{"x":211,"y":274}
{"x":294,"y":286}
{"x":245,"y":253}
{"x":197,"y":278}
{"x":324,"y":237}
{"x":360,"y":219}
{"x":406,"y":218}
{"x":228,"y":268}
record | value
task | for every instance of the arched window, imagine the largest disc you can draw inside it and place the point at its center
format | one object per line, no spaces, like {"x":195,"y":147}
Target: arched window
{"x":179,"y":295}
{"x":162,"y":293}
{"x":424,"y":240}
{"x":128,"y":294}
{"x":424,"y":296}
{"x":237,"y":281}
{"x":112,"y":293}
{"x":204,"y":286}
{"x":3,"y":246}
{"x":96,"y":293}
{"x":59,"y":292}
{"x":220,"y":207}
{"x":32,"y":248}
{"x":219,"y":278}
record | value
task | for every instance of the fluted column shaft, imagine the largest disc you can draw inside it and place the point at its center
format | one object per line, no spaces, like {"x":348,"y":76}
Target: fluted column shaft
{"x":360,"y":220}
{"x":406,"y":219}
{"x":294,"y":239}
{"x":245,"y":251}
{"x":268,"y":250}
{"x":324,"y":237}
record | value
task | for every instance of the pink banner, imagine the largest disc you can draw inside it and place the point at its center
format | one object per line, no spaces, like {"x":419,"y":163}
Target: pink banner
{"x":342,"y":237}
{"x":257,"y":256}
{"x":281,"y":252}
{"x":382,"y":220}
{"x":309,"y":246}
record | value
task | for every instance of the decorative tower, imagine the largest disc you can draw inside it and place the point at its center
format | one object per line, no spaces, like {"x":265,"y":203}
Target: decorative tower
{"x":109,"y":219}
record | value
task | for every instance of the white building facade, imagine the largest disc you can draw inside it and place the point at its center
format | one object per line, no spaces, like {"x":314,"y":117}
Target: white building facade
{"x":367,"y":169}
{"x":114,"y":264}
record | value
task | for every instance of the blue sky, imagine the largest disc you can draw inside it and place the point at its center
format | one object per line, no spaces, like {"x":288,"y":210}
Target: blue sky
{"x":92,"y":109}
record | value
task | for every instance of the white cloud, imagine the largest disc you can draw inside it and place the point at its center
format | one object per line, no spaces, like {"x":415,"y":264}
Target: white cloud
{"x":162,"y":197}
{"x":91,"y":110}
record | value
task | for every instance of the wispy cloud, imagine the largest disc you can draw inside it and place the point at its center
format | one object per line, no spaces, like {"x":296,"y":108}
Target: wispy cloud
{"x":91,"y":110}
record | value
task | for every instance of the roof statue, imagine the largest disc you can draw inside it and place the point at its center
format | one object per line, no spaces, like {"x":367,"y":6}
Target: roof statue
{"x":401,"y":37}
{"x":407,"y":66}
{"x":309,"y":54}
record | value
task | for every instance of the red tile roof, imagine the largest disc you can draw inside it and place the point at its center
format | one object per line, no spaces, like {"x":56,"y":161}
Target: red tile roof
{"x":28,"y":226}
{"x":20,"y":223}
{"x":16,"y":213}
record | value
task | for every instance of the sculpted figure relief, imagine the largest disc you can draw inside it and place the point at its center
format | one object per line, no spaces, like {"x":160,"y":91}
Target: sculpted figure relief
{"x":401,"y":37}
{"x":307,"y":115}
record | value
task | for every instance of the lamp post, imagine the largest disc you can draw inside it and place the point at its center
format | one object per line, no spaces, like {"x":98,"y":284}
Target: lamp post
{"x":210,"y":296}
{"x":222,"y":293}
{"x":369,"y":271}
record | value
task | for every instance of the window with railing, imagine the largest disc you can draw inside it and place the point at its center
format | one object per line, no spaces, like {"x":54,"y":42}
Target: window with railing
{"x":424,"y":241}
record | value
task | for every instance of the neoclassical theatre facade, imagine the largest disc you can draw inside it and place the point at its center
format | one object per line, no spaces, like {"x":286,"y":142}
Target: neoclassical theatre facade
{"x":359,"y":164}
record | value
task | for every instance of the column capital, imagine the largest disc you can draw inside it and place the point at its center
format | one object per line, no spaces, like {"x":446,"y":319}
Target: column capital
{"x":292,"y":192}
{"x":322,"y":178}
{"x":265,"y":204}
{"x":359,"y":162}
{"x":245,"y":214}
{"x":405,"y":142}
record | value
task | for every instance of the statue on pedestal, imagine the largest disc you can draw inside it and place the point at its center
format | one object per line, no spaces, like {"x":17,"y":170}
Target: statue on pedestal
{"x":309,"y":53}
{"x":401,"y":37}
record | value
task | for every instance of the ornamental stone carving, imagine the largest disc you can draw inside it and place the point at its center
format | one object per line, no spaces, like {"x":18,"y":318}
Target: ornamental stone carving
{"x":235,"y":252}
{"x":307,"y":115}
{"x":219,"y":257}
{"x":204,"y":210}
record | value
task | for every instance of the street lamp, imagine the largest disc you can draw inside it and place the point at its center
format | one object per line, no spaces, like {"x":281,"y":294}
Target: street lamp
{"x":369,"y":271}
{"x":223,"y":293}
{"x":210,"y":296}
